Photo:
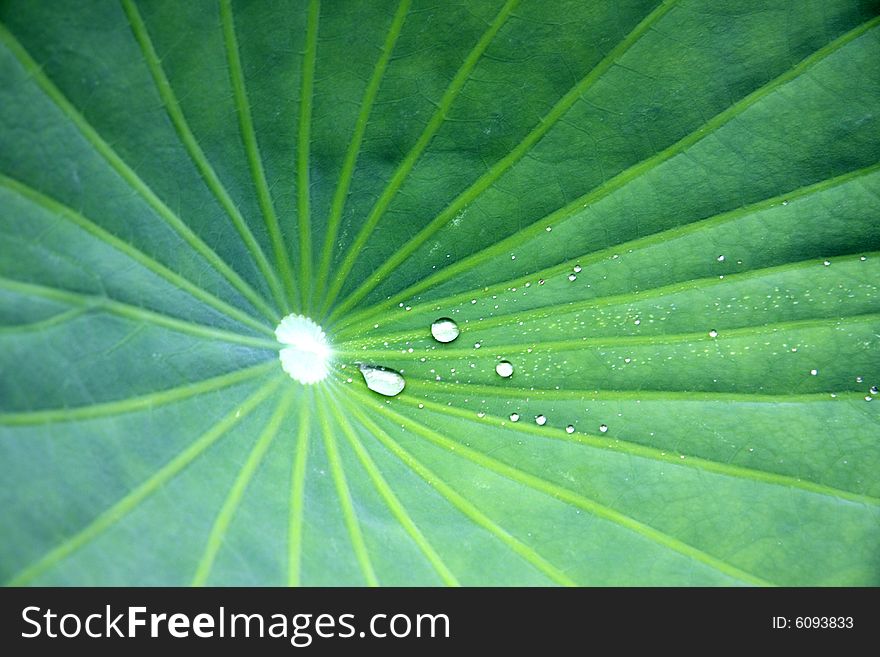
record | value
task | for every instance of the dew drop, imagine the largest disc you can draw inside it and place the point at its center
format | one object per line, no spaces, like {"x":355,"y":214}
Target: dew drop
{"x":874,"y":390}
{"x":444,"y":330}
{"x":569,"y":428}
{"x":603,"y":428}
{"x":713,"y":333}
{"x":720,"y":258}
{"x":504,"y":369}
{"x":477,"y":345}
{"x":827,"y":263}
{"x":541,"y":281}
{"x":814,"y":372}
{"x":514,"y":417}
{"x":382,"y":380}
{"x":859,"y":379}
{"x":572,"y":277}
{"x":577,"y":269}
{"x":540,"y":420}
{"x":868,"y":398}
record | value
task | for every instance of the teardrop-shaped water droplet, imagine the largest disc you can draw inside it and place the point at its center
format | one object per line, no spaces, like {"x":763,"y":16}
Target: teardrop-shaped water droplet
{"x":382,"y":380}
{"x":444,"y":330}
{"x":540,"y":420}
{"x":514,"y":417}
{"x":504,"y":369}
{"x":569,"y":428}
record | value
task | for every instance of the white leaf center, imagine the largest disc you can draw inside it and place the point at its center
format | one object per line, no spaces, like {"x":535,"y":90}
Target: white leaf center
{"x":306,"y":358}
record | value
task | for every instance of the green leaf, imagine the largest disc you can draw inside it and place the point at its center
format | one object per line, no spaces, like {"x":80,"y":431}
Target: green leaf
{"x":662,"y":214}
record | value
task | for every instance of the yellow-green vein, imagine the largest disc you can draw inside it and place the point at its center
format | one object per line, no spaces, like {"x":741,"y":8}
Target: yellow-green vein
{"x":134,"y":312}
{"x":139,"y":403}
{"x":504,"y":164}
{"x":303,"y":146}
{"x":415,"y":152}
{"x":351,"y":155}
{"x":124,"y":506}
{"x":236,"y":492}
{"x":622,"y":446}
{"x":212,"y":180}
{"x":345,"y":500}
{"x":356,"y":321}
{"x":297,"y":492}
{"x":467,"y":508}
{"x":391,"y":500}
{"x":546,"y":346}
{"x":252,"y":149}
{"x":568,"y":496}
{"x":65,"y":212}
{"x":128,"y":174}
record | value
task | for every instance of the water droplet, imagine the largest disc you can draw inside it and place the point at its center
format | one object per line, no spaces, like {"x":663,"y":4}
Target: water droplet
{"x":572,"y":277}
{"x":481,"y":414}
{"x":540,"y":420}
{"x":444,"y":330}
{"x":603,"y":428}
{"x":541,"y":281}
{"x":477,"y":345}
{"x":814,"y":372}
{"x":514,"y":417}
{"x":868,"y":398}
{"x":473,"y":300}
{"x":827,"y":263}
{"x":713,"y":333}
{"x":504,"y":369}
{"x":382,"y":380}
{"x":874,"y":390}
{"x":720,"y":258}
{"x":569,"y":428}
{"x":577,"y":269}
{"x":859,"y":379}
{"x":513,"y":257}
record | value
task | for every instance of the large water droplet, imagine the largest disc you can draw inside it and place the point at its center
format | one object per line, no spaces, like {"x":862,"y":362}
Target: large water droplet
{"x":382,"y":380}
{"x":504,"y":369}
{"x":540,"y":420}
{"x":444,"y":330}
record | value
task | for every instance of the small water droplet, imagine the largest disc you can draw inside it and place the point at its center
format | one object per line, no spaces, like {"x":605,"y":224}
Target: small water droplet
{"x":540,"y":420}
{"x":504,"y":369}
{"x":814,"y":372}
{"x":713,"y":333}
{"x":569,"y":428}
{"x":859,"y":379}
{"x":444,"y":330}
{"x":720,"y":258}
{"x":549,"y":228}
{"x":577,"y":269}
{"x":541,"y":281}
{"x":477,"y":345}
{"x":514,"y":417}
{"x":572,"y":277}
{"x":874,"y":390}
{"x":603,"y":428}
{"x":473,"y":300}
{"x":827,"y":263}
{"x":481,"y":414}
{"x":382,"y":380}
{"x":868,"y":398}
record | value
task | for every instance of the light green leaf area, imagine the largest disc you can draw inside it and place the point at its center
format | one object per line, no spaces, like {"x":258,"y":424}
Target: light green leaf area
{"x":663,"y":214}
